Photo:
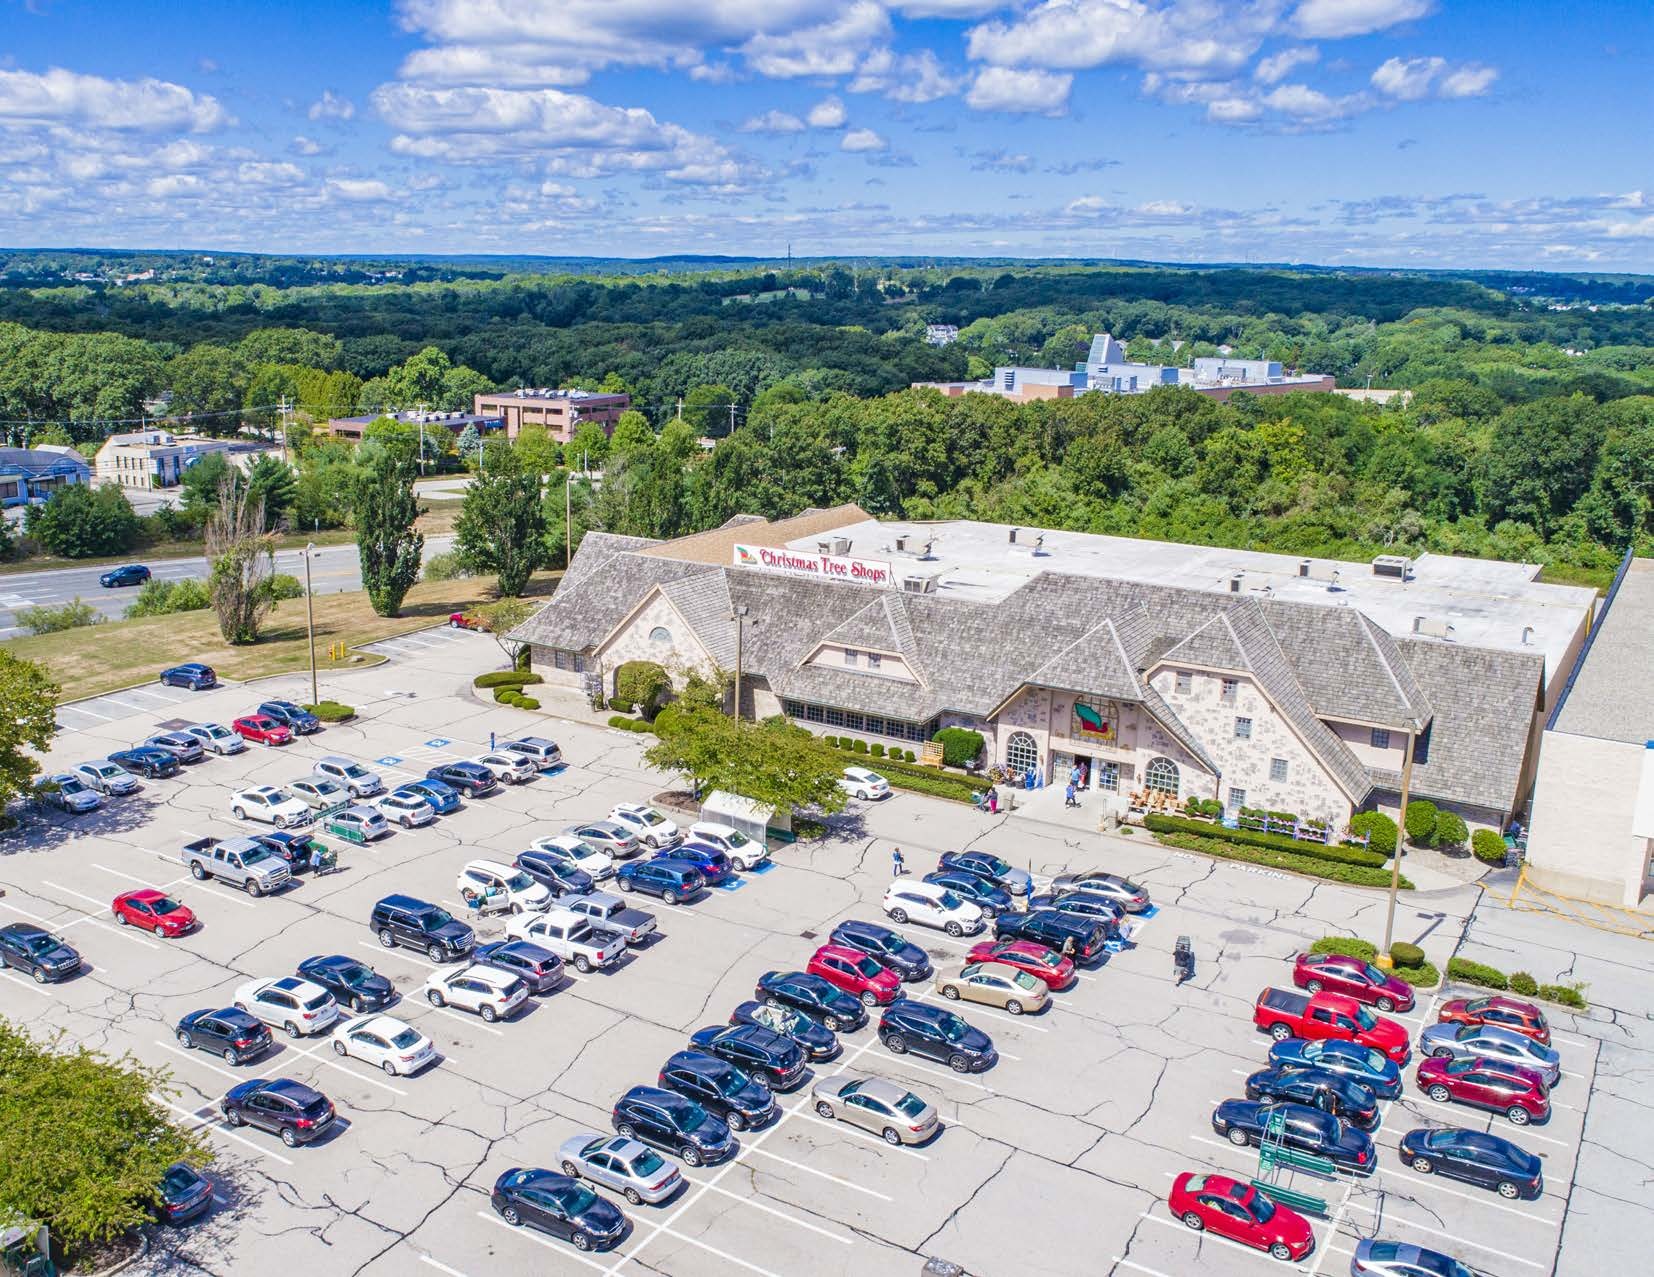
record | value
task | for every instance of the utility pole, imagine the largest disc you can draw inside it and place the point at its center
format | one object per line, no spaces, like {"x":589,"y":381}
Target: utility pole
{"x":680,"y":408}
{"x":1384,"y":958}
{"x":568,"y":519}
{"x":732,"y":419}
{"x":738,"y":615}
{"x":421,"y":420}
{"x":310,"y":622}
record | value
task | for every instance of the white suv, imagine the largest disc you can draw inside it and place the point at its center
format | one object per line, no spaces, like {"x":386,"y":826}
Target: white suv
{"x":290,"y":1003}
{"x":217,"y":739}
{"x":511,"y":768}
{"x":269,"y":804}
{"x":352,"y":775}
{"x":490,"y":878}
{"x":490,"y":992}
{"x":747,"y":853}
{"x":406,"y":810}
{"x":934,"y":906}
{"x":646,"y":824}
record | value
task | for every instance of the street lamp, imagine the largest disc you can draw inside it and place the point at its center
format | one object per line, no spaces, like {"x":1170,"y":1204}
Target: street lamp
{"x":310,"y":622}
{"x":1384,"y":959}
{"x":739,"y":616}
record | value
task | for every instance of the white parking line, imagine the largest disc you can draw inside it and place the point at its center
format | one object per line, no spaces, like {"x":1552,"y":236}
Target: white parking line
{"x":1136,"y":1267}
{"x":81,"y":709}
{"x":1206,"y":1235}
{"x":440,"y":1267}
{"x":197,"y":1058}
{"x":567,"y":1252}
{"x":799,"y":1166}
{"x":138,"y":691}
{"x":23,"y":982}
{"x":779,"y":1214}
{"x":947,"y":1073}
{"x":95,"y":919}
{"x":217,"y":1127}
{"x":1431,"y":1180}
{"x":315,"y":1053}
{"x":189,"y":878}
{"x":1390,"y":1221}
{"x":713,"y":1250}
{"x":475,"y":1021}
{"x":847,"y":1129}
{"x":397,"y":953}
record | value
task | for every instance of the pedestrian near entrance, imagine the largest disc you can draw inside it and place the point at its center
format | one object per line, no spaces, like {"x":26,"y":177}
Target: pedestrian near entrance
{"x":1071,"y":800}
{"x":993,"y":801}
{"x":897,"y":865}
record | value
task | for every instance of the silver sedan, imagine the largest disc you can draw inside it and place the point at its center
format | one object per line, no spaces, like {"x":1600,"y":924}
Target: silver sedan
{"x":893,"y":1113}
{"x":1489,"y":1041}
{"x":638,"y":1173}
{"x":607,"y":836}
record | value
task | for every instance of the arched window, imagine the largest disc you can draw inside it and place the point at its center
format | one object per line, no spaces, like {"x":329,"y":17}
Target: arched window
{"x":1161,"y":776}
{"x":660,"y":634}
{"x":1021,"y":754}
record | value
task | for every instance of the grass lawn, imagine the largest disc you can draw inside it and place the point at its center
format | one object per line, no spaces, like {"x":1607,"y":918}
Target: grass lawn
{"x":102,"y":658}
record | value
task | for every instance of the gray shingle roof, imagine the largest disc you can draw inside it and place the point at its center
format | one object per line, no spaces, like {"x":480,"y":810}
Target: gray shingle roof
{"x":596,"y":549}
{"x":703,"y":602}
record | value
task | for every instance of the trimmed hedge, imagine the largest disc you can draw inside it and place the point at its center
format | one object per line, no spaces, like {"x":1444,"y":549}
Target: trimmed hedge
{"x":1420,"y":974}
{"x":331,"y":711}
{"x":506,"y":678}
{"x":959,"y":745}
{"x":1488,"y":847}
{"x":1477,"y":973}
{"x":1566,"y":994}
{"x":936,"y":785}
{"x":1423,"y":976}
{"x":1353,"y":856}
{"x":1380,"y":831}
{"x":630,"y":724}
{"x":1486,"y":977}
{"x":1271,"y":858}
{"x":1523,"y":983}
{"x":1348,"y":946}
{"x":1406,"y":955}
{"x":1420,"y":821}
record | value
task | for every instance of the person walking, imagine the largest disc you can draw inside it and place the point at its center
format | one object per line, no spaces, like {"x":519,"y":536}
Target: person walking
{"x":1070,"y":800}
{"x":897,"y":864}
{"x":993,"y":800}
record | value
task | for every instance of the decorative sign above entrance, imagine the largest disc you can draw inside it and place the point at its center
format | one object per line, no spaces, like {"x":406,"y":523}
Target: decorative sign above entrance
{"x":823,"y":567}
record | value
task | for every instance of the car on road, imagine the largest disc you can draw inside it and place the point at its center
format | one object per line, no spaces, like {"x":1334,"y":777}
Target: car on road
{"x":1505,"y":1013}
{"x":1242,"y":1213}
{"x":110,"y":779}
{"x":886,"y":947}
{"x":192,"y":674}
{"x":406,"y":808}
{"x":648,"y":826}
{"x":1363,"y":1064}
{"x":268,"y":804}
{"x":506,"y":766}
{"x":1328,"y":1015}
{"x":183,"y":1194}
{"x":418,"y":924}
{"x":713,"y":866}
{"x":318,"y":793}
{"x":561,"y":876}
{"x":1305,"y":1129}
{"x":487,"y":990}
{"x":1517,"y":1092}
{"x":148,"y":761}
{"x":543,"y":753}
{"x":1019,"y":882}
{"x":634,"y":1170}
{"x":441,"y":798}
{"x":537,"y":967}
{"x":674,"y":881}
{"x":931,"y":906}
{"x":1354,"y":978}
{"x":1122,"y":891}
{"x":810,"y":994}
{"x":153,"y":911}
{"x":1083,"y":904}
{"x":670,"y":1121}
{"x":937,"y":1034}
{"x":994,"y":985}
{"x":576,"y":852}
{"x":555,"y":1204}
{"x":471,"y":779}
{"x":719,"y":1087}
{"x":126,"y":574}
{"x":37,"y":953}
{"x":1489,"y":1041}
{"x":291,"y":1003}
{"x":228,"y":1032}
{"x":215,"y":738}
{"x":181,"y":745}
{"x":607,"y":836}
{"x":1330,"y":1092}
{"x":1374,"y":1258}
{"x":353,"y":984}
{"x":991,"y":899}
{"x":483,"y":880}
{"x":1475,"y":1157}
{"x":256,"y":729}
{"x":68,"y":792}
{"x":892,"y":1112}
{"x":764,"y":1053}
{"x":384,"y":1042}
{"x":747,"y":853}
{"x":298,"y":719}
{"x":290,"y":1109}
{"x":1081,"y":939}
{"x":357,"y":780}
{"x":859,"y":782}
{"x":358,"y":823}
{"x":1040,"y":961}
{"x":816,"y":1041}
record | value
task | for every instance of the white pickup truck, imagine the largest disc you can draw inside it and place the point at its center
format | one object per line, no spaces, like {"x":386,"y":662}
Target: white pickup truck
{"x":242,"y":861}
{"x":569,"y":936}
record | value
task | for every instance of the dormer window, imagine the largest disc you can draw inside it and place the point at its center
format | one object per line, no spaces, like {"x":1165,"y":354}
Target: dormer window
{"x":852,"y":657}
{"x":872,"y":660}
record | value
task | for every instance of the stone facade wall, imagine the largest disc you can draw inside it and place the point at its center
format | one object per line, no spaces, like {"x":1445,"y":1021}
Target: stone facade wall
{"x":544,"y":662}
{"x":680,"y":653}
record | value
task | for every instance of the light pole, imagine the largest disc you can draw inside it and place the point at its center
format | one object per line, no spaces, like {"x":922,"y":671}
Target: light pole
{"x":310,"y":622}
{"x":568,"y":519}
{"x":1384,"y":958}
{"x":739,"y":616}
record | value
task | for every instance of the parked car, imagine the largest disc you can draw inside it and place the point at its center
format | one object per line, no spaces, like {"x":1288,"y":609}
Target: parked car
{"x":763,"y":1053}
{"x":489,"y":991}
{"x":607,"y":836}
{"x":357,"y":780}
{"x":506,"y":766}
{"x":938,"y":1034}
{"x":471,"y":779}
{"x":260,"y":730}
{"x":995,"y":985}
{"x":816,"y":1040}
{"x":1504,"y":1013}
{"x":543,"y":753}
{"x":1081,"y":939}
{"x":417,"y":924}
{"x":126,"y":574}
{"x":1307,"y":1130}
{"x":1517,"y":1092}
{"x":1364,"y":1064}
{"x":647,"y":825}
{"x":1240,"y":1212}
{"x":555,"y":1204}
{"x":1476,"y":1157}
{"x":319,"y":793}
{"x":148,"y":761}
{"x":215,"y":738}
{"x":68,"y":792}
{"x":635,"y":1171}
{"x":747,"y":853}
{"x":719,"y":1087}
{"x":570,"y":936}
{"x":886,"y":947}
{"x":1489,"y":1041}
{"x":1082,"y":904}
{"x":291,"y":1003}
{"x":241,"y":862}
{"x":353,"y":984}
{"x":490,"y":880}
{"x":182,"y":1195}
{"x":931,"y":906}
{"x":674,"y":881}
{"x":192,"y":674}
{"x":670,"y":1121}
{"x":1019,"y":882}
{"x":181,"y":745}
{"x":576,"y":852}
{"x":892,"y":1112}
{"x":713,"y":866}
{"x":1122,"y":891}
{"x":297,"y":849}
{"x":858,"y":782}
{"x":358,"y":823}
{"x":537,"y":967}
{"x":1040,"y":961}
{"x":108,"y":778}
{"x":441,"y":798}
{"x":406,"y":808}
{"x":812,"y":995}
{"x":992,"y":900}
{"x":466,"y":621}
{"x":559,"y":876}
{"x":1330,"y":1092}
{"x":300,"y":720}
{"x":153,"y":911}
{"x":610,"y":915}
{"x":1328,"y":1015}
{"x":229,"y":1032}
{"x":268,"y":804}
{"x":384,"y":1042}
{"x":1375,"y":1258}
{"x":37,"y":953}
{"x":1354,"y":978}
{"x":290,"y":1109}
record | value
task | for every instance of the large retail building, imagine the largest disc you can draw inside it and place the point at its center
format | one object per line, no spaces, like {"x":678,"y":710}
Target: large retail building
{"x":1260,"y":680}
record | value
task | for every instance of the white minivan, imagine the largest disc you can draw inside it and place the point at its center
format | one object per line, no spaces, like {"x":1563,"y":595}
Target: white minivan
{"x":933,"y":906}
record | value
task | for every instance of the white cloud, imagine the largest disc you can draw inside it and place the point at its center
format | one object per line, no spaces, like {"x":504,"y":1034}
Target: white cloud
{"x":174,"y":186}
{"x":268,"y":173}
{"x":330,"y":106}
{"x":832,"y":48}
{"x":862,"y":140}
{"x":302,"y":145}
{"x":773,"y":122}
{"x":908,"y":77}
{"x":529,"y":65}
{"x":1412,"y":79}
{"x":1470,"y":81}
{"x":1332,"y":19}
{"x":1187,"y":35}
{"x":1311,"y":106}
{"x":1277,"y":66}
{"x":829,"y":113}
{"x":359,"y":190}
{"x":1022,"y":92}
{"x":59,"y":97}
{"x":946,"y":8}
{"x":1229,"y":110}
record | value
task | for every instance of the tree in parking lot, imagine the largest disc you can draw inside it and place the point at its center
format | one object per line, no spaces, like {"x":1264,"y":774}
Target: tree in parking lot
{"x":30,"y":717}
{"x":773,"y":762}
{"x":385,"y":510}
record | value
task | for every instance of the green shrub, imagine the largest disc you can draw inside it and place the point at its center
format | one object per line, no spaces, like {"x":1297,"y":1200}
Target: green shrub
{"x":908,"y":756}
{"x":859,"y":745}
{"x":934,"y":784}
{"x":54,"y":620}
{"x":1380,"y":831}
{"x":1423,"y":976}
{"x":1569,"y":995}
{"x":506,"y":678}
{"x":630,"y":724}
{"x":960,"y":745}
{"x":1357,"y":856}
{"x":1450,"y":830}
{"x":831,"y":741}
{"x":162,"y":598}
{"x":1421,"y":821}
{"x":878,"y":750}
{"x":1355,"y":875}
{"x":331,"y":711}
{"x":1349,"y":946}
{"x":1488,"y":847}
{"x":283,"y":586}
{"x":1477,"y":973}
{"x":1523,"y":983}
{"x":620,"y":705}
{"x":847,"y":743}
{"x":527,"y":702}
{"x":1406,"y":955}
{"x":643,"y":683}
{"x":444,"y":567}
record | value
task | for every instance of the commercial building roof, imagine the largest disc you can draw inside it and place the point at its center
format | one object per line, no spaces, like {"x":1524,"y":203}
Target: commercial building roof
{"x":1612,"y":692}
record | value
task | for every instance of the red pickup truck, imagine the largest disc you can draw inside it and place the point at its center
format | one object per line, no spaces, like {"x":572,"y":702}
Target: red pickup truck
{"x":1328,"y":1015}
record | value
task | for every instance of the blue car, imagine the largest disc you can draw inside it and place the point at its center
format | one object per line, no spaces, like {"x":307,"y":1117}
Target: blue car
{"x":671,"y":880}
{"x":193,"y":675}
{"x":1364,"y":1064}
{"x":146,"y":760}
{"x":713,"y":865}
{"x":300,"y":720}
{"x":442,"y":797}
{"x":127,"y":574}
{"x":979,"y":891}
{"x":1306,"y":1129}
{"x":1477,"y":1158}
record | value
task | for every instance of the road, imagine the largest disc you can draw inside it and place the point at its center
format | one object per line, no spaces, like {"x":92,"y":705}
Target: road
{"x":333,"y":569}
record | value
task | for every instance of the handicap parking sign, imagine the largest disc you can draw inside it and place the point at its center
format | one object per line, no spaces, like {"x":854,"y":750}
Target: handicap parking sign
{"x":730,"y":884}
{"x":762,"y":867}
{"x":389,"y":760}
{"x":437,"y":742}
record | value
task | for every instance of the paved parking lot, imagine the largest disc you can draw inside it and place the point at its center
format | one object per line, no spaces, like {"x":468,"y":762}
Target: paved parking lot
{"x":1056,"y":1161}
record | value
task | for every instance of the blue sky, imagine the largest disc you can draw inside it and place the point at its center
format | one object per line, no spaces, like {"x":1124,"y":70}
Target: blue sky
{"x":1371,"y":132}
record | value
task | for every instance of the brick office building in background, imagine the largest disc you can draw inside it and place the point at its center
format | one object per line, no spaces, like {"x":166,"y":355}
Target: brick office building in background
{"x":561,"y":412}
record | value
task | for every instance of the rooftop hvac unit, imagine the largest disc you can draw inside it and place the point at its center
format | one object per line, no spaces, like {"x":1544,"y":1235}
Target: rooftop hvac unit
{"x":1431,"y":626}
{"x":1236,"y":582}
{"x":901,"y":545}
{"x":919,"y":585}
{"x":1393,"y":566}
{"x":841,"y":545}
{"x":1303,"y":567}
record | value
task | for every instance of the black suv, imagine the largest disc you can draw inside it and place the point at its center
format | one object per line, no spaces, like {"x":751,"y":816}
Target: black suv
{"x":719,"y":1087}
{"x":1079,"y":938}
{"x":417,"y":924}
{"x":231,"y":1033}
{"x":302,"y":721}
{"x":674,"y":1123}
{"x":775,"y":1058}
{"x":37,"y":951}
{"x":470,"y":779}
{"x":884,"y":946}
{"x":937,"y":1033}
{"x":355,"y":984}
{"x":822,"y":1002}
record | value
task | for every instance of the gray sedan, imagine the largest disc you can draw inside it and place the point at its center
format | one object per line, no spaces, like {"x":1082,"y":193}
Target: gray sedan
{"x":107,"y":777}
{"x":1490,"y":1042}
{"x":893,"y":1113}
{"x":638,"y":1173}
{"x":1122,"y":891}
{"x":607,"y":836}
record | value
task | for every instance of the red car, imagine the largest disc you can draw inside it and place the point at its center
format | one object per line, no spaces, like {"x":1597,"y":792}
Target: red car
{"x":261,"y":730}
{"x":1508,"y":1013}
{"x":460,"y":621}
{"x":856,"y":973}
{"x":1519,"y":1093}
{"x":1353,"y":978}
{"x":153,"y":911}
{"x":1025,"y":955}
{"x":1315,"y":1016}
{"x":1240,"y":1212}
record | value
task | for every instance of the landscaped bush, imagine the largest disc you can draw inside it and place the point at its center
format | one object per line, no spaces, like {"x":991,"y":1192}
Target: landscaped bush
{"x":506,"y":678}
{"x":1406,"y":955}
{"x":1423,"y":976}
{"x":878,"y":750}
{"x":643,"y":683}
{"x":1569,"y":995}
{"x":859,"y":745}
{"x":162,"y":598}
{"x":1380,"y":831}
{"x":935,"y":784}
{"x":1523,"y":983}
{"x":832,"y":741}
{"x":1488,"y":847}
{"x":1477,"y":973}
{"x":630,"y":724}
{"x":527,"y":702}
{"x":1313,"y":866}
{"x":284,"y":586}
{"x":331,"y":711}
{"x":1211,"y":808}
{"x":1450,"y":831}
{"x":620,"y":705}
{"x":54,"y":620}
{"x":1356,"y":856}
{"x":960,"y":745}
{"x":1421,"y":821}
{"x":1415,"y":970}
{"x":444,"y":567}
{"x":908,"y":756}
{"x":1349,"y":946}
